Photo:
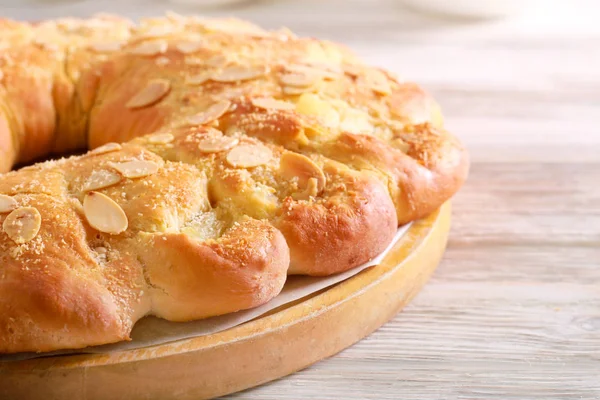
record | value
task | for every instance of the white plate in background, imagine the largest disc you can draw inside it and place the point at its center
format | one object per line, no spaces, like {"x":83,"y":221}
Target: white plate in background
{"x":473,"y":8}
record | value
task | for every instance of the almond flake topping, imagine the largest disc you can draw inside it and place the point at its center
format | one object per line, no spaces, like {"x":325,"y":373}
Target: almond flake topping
{"x":249,"y":155}
{"x":150,"y":48}
{"x":197,"y":79}
{"x":269,"y":103}
{"x":101,"y":179}
{"x":353,"y":70}
{"x":106,"y":148}
{"x":191,"y":46}
{"x":154,"y":91}
{"x":324,"y":71}
{"x":295,"y":91}
{"x":7,"y":203}
{"x":157,"y":31}
{"x":239,"y":73}
{"x":212,"y":113}
{"x":135,"y":168}
{"x":103,"y":214}
{"x":216,"y":61}
{"x":106,"y":47}
{"x":297,"y":165}
{"x":22,"y":224}
{"x":160,"y":138}
{"x":298,"y":79}
{"x":234,"y":27}
{"x":377,"y":82}
{"x":215,"y":144}
{"x":311,"y":190}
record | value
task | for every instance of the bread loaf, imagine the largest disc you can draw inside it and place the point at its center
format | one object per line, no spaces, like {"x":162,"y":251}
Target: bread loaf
{"x":222,"y":158}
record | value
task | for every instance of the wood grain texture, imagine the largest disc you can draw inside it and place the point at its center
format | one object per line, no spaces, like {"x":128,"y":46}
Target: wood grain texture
{"x":247,"y":355}
{"x":513,"y":312}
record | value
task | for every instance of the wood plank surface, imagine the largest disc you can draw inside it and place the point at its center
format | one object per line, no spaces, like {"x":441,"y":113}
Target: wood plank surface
{"x":513,"y":312}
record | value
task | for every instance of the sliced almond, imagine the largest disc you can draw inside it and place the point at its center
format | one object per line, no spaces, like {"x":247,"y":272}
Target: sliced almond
{"x":217,"y":61}
{"x":238,"y":74}
{"x":295,"y":91}
{"x":135,"y":168}
{"x":106,"y":148}
{"x":22,"y":224}
{"x":311,"y":190}
{"x":101,"y":179}
{"x":249,"y":155}
{"x":234,"y":27}
{"x":197,"y":79}
{"x":353,"y":70}
{"x":154,"y":91}
{"x":233,"y":92}
{"x":318,"y":71}
{"x":294,"y":165}
{"x":106,"y":47}
{"x":383,"y":89}
{"x":269,"y":103}
{"x":156,"y":31}
{"x":330,"y":76}
{"x":298,"y":79}
{"x":150,"y":48}
{"x":7,"y":203}
{"x":103,"y":214}
{"x":215,"y":144}
{"x":325,"y":66}
{"x":377,"y":82}
{"x":299,"y":69}
{"x":160,"y":138}
{"x":189,"y":47}
{"x":395,"y":77}
{"x":212,"y":113}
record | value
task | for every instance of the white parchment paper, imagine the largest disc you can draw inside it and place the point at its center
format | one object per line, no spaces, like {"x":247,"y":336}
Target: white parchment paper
{"x":151,"y":331}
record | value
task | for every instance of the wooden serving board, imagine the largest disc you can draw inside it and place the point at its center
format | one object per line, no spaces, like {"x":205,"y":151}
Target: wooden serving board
{"x":280,"y":343}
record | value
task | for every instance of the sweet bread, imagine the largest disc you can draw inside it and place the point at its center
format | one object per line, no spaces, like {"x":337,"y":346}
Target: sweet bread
{"x":223,"y":157}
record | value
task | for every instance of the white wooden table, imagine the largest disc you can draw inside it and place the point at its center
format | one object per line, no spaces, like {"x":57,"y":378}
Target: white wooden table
{"x":514,"y":310}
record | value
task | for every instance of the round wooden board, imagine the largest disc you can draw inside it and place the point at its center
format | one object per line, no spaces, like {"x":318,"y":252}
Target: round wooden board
{"x":259,"y":351}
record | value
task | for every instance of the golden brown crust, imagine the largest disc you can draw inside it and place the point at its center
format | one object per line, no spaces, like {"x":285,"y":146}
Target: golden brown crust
{"x":189,"y":279}
{"x":355,"y":222}
{"x":52,"y":290}
{"x":7,"y":153}
{"x":431,"y":170}
{"x":72,"y":285}
{"x":247,"y":152}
